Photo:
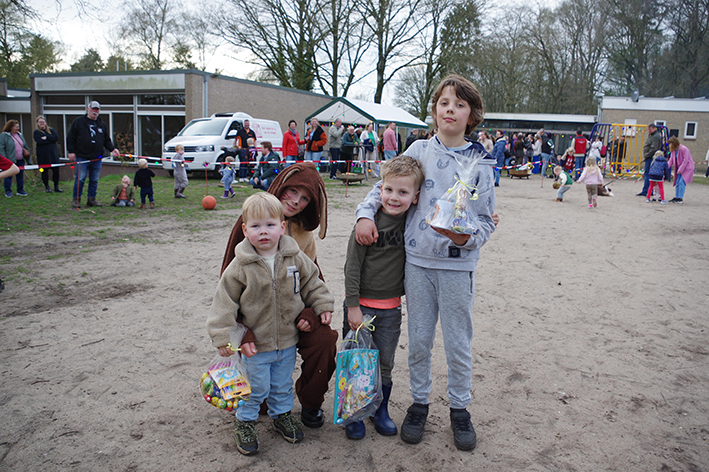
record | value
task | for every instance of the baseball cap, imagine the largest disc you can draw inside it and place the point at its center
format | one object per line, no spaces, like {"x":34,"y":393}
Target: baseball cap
{"x":95,"y":104}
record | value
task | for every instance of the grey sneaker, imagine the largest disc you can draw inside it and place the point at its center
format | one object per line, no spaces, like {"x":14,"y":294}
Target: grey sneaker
{"x":290,"y":427}
{"x":463,"y":432}
{"x":414,"y":423}
{"x":246,"y":437}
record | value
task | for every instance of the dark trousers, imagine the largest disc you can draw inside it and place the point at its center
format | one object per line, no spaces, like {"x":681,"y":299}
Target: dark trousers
{"x":334,"y":156}
{"x":646,"y":177}
{"x":318,"y":349}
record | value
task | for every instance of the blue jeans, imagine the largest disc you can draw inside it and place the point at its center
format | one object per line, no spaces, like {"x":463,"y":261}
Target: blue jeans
{"x":263,"y":184}
{"x":334,"y":156}
{"x":497,"y":175}
{"x":646,"y":177}
{"x":146,"y":192}
{"x":385,"y":335}
{"x":562,"y":190}
{"x":123,"y":203}
{"x":579,"y":166}
{"x":545,"y":163}
{"x":680,"y":186}
{"x":19,"y":179}
{"x":271,"y":377}
{"x":92,"y":168}
{"x":313,"y":156}
{"x":290,"y":160}
{"x":389,"y":155}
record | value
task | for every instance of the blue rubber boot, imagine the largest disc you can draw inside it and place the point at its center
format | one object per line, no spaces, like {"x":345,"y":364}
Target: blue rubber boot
{"x":355,"y":430}
{"x":382,"y":422}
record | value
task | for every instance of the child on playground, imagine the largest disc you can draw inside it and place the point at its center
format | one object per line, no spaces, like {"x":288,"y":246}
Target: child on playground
{"x":227,"y":172}
{"x":179,"y":171}
{"x":565,"y":182}
{"x":659,"y":171}
{"x":144,"y":179}
{"x":374,"y":278}
{"x":593,"y":177}
{"x":439,"y":271}
{"x":122,"y":194}
{"x":269,"y":282}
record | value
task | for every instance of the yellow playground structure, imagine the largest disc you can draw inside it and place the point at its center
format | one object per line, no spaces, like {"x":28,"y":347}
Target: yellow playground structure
{"x":624,"y":148}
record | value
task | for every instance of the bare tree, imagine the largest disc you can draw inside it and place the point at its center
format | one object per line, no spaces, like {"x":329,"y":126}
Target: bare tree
{"x":280,"y":36}
{"x":395,"y":24}
{"x":345,"y":41}
{"x":148,"y":29}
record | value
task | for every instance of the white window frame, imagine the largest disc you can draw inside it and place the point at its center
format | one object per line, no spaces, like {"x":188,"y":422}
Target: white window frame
{"x":659,"y":123}
{"x":686,"y":125}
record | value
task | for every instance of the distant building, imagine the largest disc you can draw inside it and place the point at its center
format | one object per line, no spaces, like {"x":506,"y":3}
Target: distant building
{"x":15,"y":105}
{"x":686,"y":118}
{"x":145,"y":109}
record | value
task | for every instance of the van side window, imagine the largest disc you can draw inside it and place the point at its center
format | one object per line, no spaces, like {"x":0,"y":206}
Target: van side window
{"x":233,"y":129}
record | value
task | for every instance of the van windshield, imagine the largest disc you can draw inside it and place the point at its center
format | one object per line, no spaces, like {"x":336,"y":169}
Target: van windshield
{"x":211,"y":127}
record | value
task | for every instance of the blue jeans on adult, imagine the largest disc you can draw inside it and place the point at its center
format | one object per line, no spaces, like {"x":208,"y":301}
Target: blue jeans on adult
{"x":313,"y":156}
{"x":262,"y":184}
{"x":290,"y":160}
{"x":334,"y":157}
{"x":546,"y":158}
{"x":243,"y":166}
{"x":646,"y":178}
{"x":19,"y":179}
{"x":389,"y":155}
{"x":85,"y":167}
{"x":680,"y":186}
{"x":578,"y":167}
{"x":386,"y":334}
{"x":271,"y":377}
{"x":497,"y":176}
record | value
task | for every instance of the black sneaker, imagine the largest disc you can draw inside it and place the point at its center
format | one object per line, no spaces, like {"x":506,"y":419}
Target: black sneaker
{"x":413,"y":426}
{"x":290,"y":427}
{"x":312,"y":418}
{"x":463,"y":431}
{"x":678,"y":200}
{"x":246,"y":437}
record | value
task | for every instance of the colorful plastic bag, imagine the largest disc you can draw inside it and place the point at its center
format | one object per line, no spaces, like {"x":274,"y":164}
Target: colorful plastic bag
{"x":224,"y":384}
{"x":358,"y":381}
{"x":454,"y":209}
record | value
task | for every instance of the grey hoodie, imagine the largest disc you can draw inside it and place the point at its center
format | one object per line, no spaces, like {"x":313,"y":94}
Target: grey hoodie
{"x":424,"y":246}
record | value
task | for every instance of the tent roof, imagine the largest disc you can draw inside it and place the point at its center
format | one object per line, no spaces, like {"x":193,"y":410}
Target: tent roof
{"x":361,"y":113}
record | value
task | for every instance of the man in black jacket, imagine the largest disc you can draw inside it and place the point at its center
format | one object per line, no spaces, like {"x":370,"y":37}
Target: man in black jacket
{"x":85,"y":142}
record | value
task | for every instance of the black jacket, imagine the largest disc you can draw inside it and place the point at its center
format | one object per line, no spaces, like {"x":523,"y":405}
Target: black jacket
{"x":87,"y":138}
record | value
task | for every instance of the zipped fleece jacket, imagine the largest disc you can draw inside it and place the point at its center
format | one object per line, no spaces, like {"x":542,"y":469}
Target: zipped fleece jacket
{"x":441,"y":166}
{"x":269,"y":304}
{"x":87,"y":138}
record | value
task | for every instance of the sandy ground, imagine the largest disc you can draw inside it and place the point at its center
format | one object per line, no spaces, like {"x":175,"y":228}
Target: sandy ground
{"x":591,"y":347}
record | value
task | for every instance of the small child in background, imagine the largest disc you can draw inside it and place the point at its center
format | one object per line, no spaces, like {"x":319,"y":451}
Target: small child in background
{"x":179,"y":171}
{"x":374,"y":279}
{"x":567,"y":160}
{"x":269,"y":282}
{"x":144,"y":179}
{"x":565,"y":181}
{"x":595,"y":150}
{"x":123,"y":193}
{"x":659,"y":171}
{"x":227,"y":172}
{"x":592,"y":176}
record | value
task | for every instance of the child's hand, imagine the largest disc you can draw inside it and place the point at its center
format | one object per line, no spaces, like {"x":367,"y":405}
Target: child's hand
{"x":495,"y":218}
{"x":248,"y":349}
{"x":113,"y":198}
{"x":304,"y":325}
{"x":458,"y":239}
{"x":354,"y":317}
{"x":224,"y":351}
{"x":366,"y":232}
{"x":326,"y":317}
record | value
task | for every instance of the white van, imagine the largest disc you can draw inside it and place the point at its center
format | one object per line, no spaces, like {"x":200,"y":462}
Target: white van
{"x":203,"y":139}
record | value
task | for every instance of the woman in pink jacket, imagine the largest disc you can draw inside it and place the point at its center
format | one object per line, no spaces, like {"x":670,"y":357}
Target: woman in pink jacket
{"x":681,"y":161}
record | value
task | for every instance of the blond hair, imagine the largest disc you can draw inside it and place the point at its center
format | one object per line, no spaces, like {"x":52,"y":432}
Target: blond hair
{"x":658,"y":154}
{"x":592,"y":164}
{"x":250,"y":141}
{"x":228,"y":159}
{"x":262,"y":205}
{"x":178,"y":147}
{"x":403,"y":166}
{"x":142,"y":163}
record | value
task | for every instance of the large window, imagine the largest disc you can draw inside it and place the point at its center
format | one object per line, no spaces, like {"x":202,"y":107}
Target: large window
{"x":165,"y":99}
{"x":123,"y":132}
{"x":150,"y":135}
{"x":173,"y":125}
{"x":57,"y":123}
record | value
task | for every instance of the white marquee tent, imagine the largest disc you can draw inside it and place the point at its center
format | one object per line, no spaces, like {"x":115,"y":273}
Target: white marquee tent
{"x":361,"y":113}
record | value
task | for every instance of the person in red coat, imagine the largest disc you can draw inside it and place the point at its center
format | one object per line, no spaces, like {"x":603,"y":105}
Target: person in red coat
{"x":291,"y":140}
